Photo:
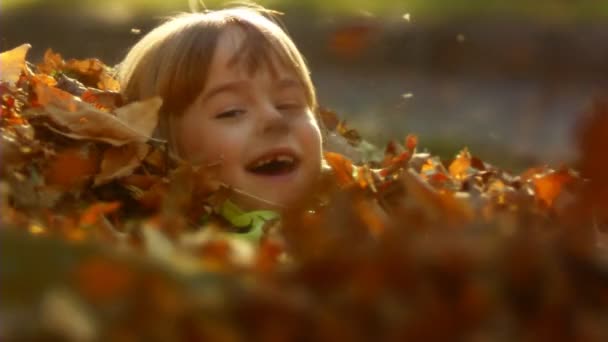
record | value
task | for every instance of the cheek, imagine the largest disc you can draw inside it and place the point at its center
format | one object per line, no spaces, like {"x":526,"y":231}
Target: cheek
{"x":310,"y":138}
{"x":207,"y":142}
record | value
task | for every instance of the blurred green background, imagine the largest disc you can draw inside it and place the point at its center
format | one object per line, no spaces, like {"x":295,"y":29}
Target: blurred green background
{"x":510,"y":79}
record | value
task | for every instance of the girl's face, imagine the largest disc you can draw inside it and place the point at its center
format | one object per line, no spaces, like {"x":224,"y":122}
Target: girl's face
{"x":257,"y":126}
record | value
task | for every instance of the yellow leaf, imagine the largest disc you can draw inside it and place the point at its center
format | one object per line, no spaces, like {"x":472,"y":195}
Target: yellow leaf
{"x":12,"y":63}
{"x":460,"y":166}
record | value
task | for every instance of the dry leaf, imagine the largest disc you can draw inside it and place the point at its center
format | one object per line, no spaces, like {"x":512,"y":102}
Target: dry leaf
{"x":460,"y":166}
{"x":51,"y":62}
{"x":12,"y":63}
{"x":72,"y":167}
{"x":120,"y":161}
{"x":342,"y":167}
{"x":549,"y":186}
{"x":76,"y":119}
{"x":95,"y":211}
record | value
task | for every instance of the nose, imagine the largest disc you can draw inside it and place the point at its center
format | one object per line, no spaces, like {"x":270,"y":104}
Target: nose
{"x":272,"y":121}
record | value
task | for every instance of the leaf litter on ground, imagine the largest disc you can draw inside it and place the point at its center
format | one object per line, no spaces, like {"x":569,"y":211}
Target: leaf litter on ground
{"x":101,"y":224}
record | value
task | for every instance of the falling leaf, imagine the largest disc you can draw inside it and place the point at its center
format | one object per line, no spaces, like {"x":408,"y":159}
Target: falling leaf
{"x":351,"y":41}
{"x":12,"y":63}
{"x":120,"y":161}
{"x":329,"y":118}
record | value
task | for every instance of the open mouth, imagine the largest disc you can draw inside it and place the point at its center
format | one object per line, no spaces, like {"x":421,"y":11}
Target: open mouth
{"x":273,"y":165}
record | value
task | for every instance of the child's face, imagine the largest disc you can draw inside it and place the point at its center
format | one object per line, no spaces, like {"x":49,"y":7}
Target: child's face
{"x":257,"y":125}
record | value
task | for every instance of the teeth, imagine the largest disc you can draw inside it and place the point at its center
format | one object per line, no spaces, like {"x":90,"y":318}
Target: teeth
{"x":281,"y":158}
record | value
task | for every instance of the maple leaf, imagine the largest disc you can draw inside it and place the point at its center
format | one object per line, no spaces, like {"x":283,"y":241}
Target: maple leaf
{"x":12,"y":63}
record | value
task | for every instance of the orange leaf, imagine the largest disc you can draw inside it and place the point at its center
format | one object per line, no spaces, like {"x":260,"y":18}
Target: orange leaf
{"x":94,"y":212}
{"x":72,"y":167}
{"x":343,"y":168}
{"x":51,"y":63}
{"x":460,"y":166}
{"x":548,"y":187}
{"x":411,"y":141}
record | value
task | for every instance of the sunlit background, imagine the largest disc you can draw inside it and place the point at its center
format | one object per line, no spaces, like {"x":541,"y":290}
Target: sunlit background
{"x":509,"y":79}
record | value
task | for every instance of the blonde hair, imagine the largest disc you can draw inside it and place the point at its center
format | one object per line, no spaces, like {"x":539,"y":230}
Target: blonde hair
{"x":172,"y":61}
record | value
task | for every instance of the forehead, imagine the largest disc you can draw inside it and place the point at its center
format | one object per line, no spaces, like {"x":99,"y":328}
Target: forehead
{"x":248,"y":50}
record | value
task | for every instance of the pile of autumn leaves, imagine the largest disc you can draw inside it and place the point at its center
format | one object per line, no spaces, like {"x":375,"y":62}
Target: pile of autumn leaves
{"x":137,"y":244}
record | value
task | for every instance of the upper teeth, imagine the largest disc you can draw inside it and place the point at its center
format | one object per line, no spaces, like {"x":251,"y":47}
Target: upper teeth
{"x":281,"y":158}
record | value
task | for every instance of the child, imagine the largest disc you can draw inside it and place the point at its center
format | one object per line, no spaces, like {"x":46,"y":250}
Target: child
{"x":237,"y":93}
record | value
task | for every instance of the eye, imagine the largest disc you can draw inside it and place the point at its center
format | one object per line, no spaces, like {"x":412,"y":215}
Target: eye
{"x":233,"y":113}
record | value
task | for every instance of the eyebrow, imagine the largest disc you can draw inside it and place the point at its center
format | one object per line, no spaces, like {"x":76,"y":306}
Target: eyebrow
{"x":235,"y":87}
{"x":230,"y":87}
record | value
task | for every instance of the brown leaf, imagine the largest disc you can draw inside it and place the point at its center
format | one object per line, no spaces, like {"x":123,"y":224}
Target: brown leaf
{"x":120,"y":161}
{"x":12,"y":63}
{"x":76,"y":119}
{"x":329,"y":118}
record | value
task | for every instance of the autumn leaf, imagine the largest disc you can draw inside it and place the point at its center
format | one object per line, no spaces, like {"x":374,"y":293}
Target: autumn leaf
{"x":459,"y":168}
{"x":95,"y":211}
{"x":342,"y":167}
{"x":120,"y":161}
{"x":12,"y":63}
{"x":91,"y":71}
{"x":76,"y":119}
{"x":51,"y":63}
{"x":352,"y":40}
{"x":72,"y":167}
{"x":411,"y":141}
{"x":549,"y":186}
